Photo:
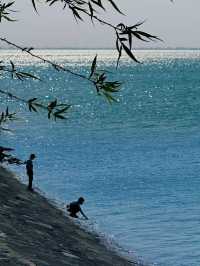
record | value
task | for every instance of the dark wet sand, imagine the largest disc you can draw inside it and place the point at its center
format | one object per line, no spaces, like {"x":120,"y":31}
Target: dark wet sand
{"x":33,"y":232}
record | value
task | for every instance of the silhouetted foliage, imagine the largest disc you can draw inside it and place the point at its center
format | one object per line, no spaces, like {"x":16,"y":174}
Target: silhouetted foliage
{"x":99,"y":78}
{"x":5,"y":11}
{"x":5,"y":157}
{"x":5,"y":117}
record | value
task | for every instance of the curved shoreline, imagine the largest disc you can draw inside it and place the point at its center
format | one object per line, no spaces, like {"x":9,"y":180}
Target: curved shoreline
{"x":34,"y":232}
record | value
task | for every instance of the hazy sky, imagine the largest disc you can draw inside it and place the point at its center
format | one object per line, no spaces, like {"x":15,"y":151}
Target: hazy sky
{"x":178,"y":24}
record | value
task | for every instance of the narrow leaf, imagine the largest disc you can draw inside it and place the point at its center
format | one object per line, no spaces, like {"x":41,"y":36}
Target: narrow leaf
{"x":93,"y":67}
{"x":129,"y":53}
{"x":115,"y":6}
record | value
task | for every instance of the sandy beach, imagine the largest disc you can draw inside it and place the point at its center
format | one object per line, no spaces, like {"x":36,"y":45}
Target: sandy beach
{"x":34,"y":232}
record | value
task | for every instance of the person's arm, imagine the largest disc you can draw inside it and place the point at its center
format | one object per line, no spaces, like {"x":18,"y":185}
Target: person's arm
{"x":83,"y":214}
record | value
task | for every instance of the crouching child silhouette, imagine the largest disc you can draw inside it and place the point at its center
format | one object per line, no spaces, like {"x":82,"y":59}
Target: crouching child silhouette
{"x":74,"y":207}
{"x":29,"y":171}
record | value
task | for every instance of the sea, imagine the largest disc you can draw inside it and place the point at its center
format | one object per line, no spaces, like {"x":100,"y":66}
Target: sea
{"x":135,"y":161}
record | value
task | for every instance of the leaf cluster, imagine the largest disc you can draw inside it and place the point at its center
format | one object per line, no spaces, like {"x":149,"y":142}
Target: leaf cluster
{"x":21,"y":75}
{"x":8,"y":158}
{"x":54,"y":110}
{"x":102,"y":84}
{"x":5,"y":11}
{"x":5,"y":117}
{"x":124,"y":39}
{"x":81,"y":6}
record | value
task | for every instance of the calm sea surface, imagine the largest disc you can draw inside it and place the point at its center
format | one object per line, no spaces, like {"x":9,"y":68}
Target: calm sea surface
{"x":136,"y":162}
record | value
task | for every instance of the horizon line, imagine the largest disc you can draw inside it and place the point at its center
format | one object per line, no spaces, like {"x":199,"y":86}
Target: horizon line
{"x":106,"y":48}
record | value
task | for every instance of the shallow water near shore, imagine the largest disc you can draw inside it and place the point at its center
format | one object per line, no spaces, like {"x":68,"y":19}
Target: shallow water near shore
{"x":136,"y":162}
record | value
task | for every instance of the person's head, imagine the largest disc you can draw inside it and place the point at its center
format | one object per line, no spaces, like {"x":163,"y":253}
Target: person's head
{"x":32,"y":156}
{"x":81,"y":200}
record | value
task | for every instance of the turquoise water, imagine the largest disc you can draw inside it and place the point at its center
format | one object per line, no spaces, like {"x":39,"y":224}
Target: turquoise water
{"x":137,"y":162}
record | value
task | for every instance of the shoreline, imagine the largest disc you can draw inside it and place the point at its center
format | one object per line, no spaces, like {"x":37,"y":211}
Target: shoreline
{"x":35,"y":232}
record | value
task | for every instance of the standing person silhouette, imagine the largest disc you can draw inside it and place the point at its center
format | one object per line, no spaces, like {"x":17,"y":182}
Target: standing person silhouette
{"x":29,"y":171}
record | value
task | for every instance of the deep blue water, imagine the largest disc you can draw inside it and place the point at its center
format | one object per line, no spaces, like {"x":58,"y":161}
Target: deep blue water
{"x":136,"y":162}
